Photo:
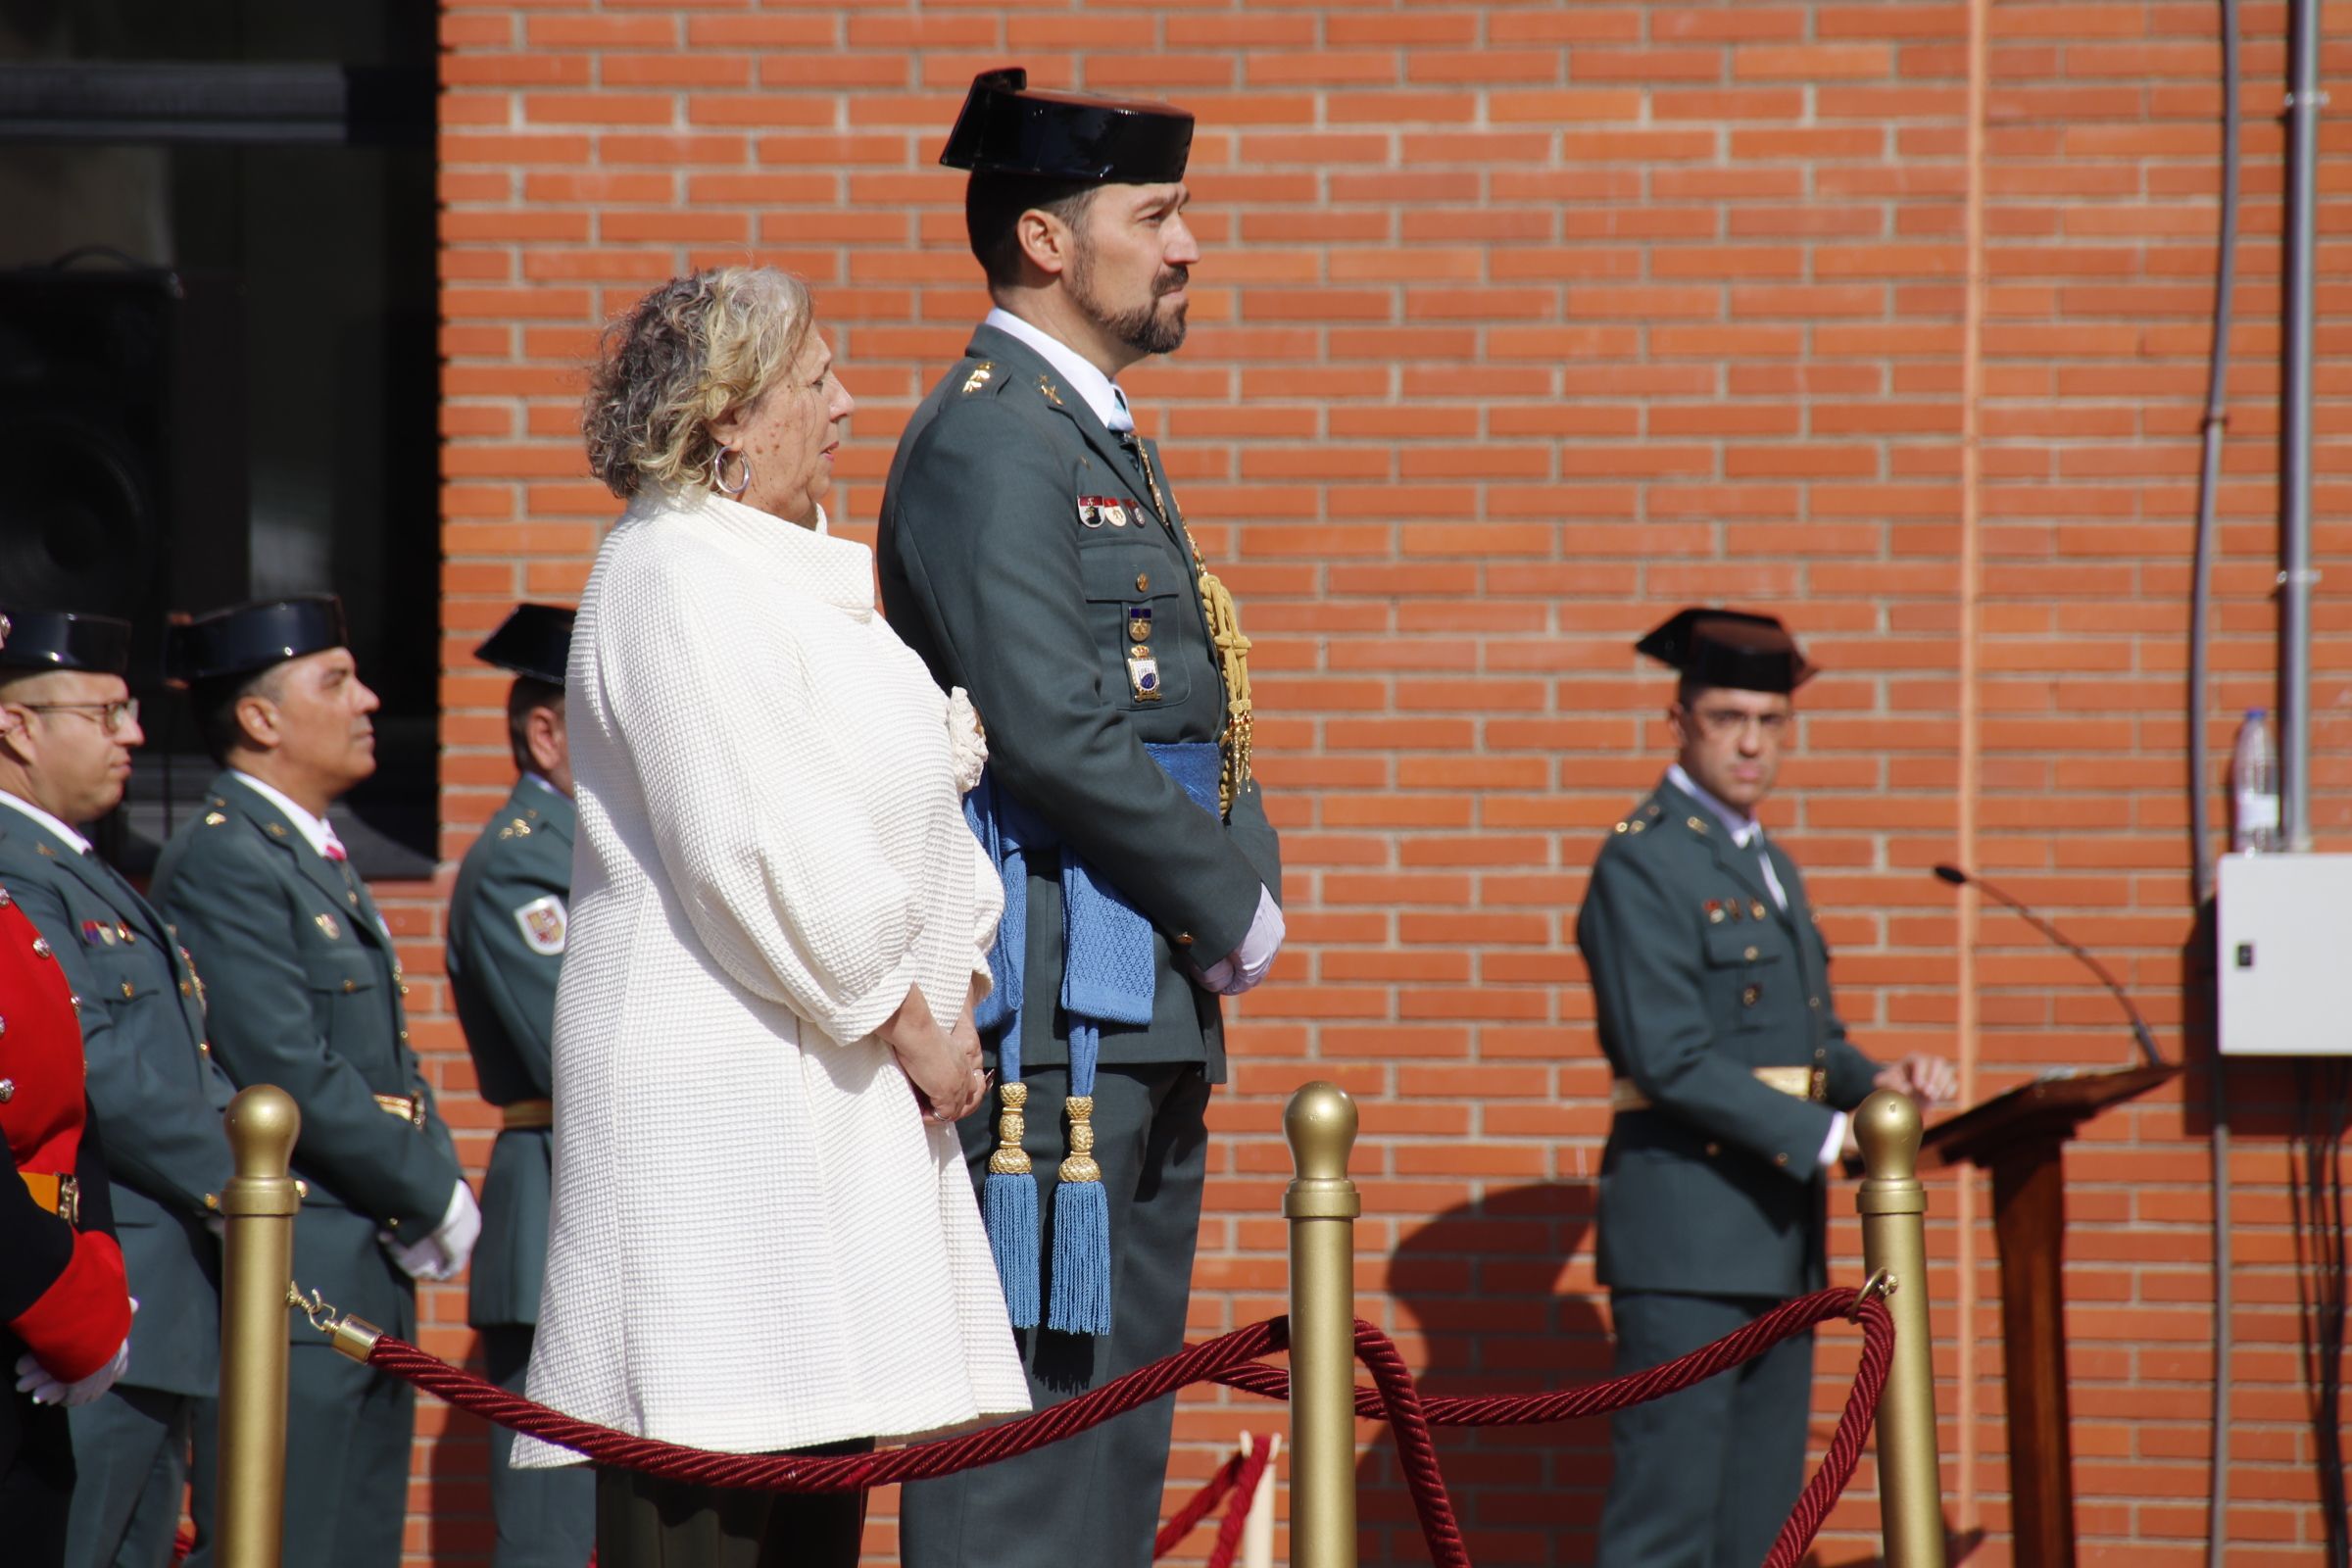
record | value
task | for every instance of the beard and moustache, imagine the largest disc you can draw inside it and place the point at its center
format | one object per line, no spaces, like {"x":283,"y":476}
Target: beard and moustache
{"x":1142,"y":328}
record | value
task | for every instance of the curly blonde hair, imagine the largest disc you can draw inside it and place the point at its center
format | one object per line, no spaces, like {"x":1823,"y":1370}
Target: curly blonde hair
{"x":693,"y":351}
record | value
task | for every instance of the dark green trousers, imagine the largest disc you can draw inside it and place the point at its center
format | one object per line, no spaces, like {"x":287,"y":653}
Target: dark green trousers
{"x":130,"y":1458}
{"x":1704,"y":1478}
{"x":546,"y":1518}
{"x":1091,"y":1500}
{"x":642,"y":1522}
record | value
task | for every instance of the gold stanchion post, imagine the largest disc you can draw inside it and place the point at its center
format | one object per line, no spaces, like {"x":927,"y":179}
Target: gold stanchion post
{"x":1893,"y":1204}
{"x":257,"y":1268}
{"x":1321,"y":1205}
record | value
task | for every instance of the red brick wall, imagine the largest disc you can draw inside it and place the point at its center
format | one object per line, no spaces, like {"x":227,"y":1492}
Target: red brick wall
{"x":1520,"y":325}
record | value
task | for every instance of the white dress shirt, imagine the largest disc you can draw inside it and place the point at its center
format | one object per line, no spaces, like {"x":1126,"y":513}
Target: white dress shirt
{"x":314,"y":829}
{"x":81,"y":845}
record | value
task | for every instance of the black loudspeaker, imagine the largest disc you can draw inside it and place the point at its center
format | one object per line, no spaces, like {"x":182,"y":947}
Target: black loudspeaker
{"x":122,"y":393}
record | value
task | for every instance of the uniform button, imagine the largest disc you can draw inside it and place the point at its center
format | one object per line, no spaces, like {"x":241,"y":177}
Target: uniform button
{"x":1714,"y":1149}
{"x":205,"y":1046}
{"x":8,"y":1090}
{"x":1780,"y":1159}
{"x":129,"y":990}
{"x":1749,"y":994}
{"x":1813,"y":1002}
{"x":212,"y":1200}
{"x":1183,"y":939}
{"x":1757,"y":909}
{"x":404,"y":1036}
{"x":1751,"y":955}
{"x":41,"y":947}
{"x":351,"y":985}
{"x":1143,"y":582}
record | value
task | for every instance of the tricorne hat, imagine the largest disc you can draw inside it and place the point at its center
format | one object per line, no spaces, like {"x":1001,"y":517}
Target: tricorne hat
{"x":1007,"y":128}
{"x":1730,"y":648}
{"x":245,"y":638}
{"x":534,"y":642}
{"x":63,"y":639}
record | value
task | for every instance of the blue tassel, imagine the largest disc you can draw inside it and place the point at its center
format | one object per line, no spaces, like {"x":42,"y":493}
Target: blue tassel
{"x":1009,"y":1208}
{"x":1081,"y":1258}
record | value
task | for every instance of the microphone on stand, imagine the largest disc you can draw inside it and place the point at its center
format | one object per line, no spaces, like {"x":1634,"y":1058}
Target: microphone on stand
{"x":2139,"y":1026}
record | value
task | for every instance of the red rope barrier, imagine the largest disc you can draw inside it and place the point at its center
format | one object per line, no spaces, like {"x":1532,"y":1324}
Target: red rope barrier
{"x":1231,"y":1359}
{"x":1239,"y":1476}
{"x":1237,"y":1512}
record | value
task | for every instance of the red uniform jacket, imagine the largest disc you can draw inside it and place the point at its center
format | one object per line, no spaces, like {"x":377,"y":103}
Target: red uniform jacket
{"x":62,"y":1290}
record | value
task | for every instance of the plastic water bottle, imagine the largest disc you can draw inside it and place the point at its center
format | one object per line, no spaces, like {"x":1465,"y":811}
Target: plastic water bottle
{"x":2254,"y":786}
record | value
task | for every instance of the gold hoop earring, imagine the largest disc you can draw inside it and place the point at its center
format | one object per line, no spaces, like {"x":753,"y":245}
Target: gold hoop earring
{"x":718,"y":471}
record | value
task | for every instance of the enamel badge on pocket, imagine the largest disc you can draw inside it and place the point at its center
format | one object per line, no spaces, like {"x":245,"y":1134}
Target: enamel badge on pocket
{"x":1143,"y":672}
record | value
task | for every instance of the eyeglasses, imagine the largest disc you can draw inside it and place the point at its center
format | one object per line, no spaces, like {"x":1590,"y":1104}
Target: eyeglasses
{"x":108,"y":716}
{"x":1724,"y":721}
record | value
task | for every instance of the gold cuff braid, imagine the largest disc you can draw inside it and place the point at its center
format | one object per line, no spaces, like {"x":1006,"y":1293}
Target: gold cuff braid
{"x":1081,"y":1166}
{"x":1011,"y":1159}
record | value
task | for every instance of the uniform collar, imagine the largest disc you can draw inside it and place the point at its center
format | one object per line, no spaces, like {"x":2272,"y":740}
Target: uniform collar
{"x":81,"y":845}
{"x":312,"y":829}
{"x":540,"y":779}
{"x":1743,"y":828}
{"x":1084,"y":378}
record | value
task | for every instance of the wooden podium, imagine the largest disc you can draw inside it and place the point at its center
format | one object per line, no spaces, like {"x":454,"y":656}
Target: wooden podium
{"x":2021,"y":1137}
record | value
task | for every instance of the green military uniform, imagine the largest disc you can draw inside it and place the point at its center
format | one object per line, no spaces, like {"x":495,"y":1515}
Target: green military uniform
{"x":506,"y":923}
{"x":158,"y":1099}
{"x":1708,"y":970}
{"x":306,"y":994}
{"x":997,"y":568}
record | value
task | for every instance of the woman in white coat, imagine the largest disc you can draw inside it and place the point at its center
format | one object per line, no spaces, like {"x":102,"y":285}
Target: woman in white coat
{"x":762,"y":1237}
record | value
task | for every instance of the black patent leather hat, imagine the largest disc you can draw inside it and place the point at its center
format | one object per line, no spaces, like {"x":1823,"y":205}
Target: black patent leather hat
{"x":535,"y":641}
{"x":63,"y":639}
{"x":1007,"y":128}
{"x":1730,"y":648}
{"x":245,"y":638}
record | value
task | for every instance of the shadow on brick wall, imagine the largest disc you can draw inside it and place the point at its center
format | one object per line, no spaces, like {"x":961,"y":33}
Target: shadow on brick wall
{"x":1479,"y":1288}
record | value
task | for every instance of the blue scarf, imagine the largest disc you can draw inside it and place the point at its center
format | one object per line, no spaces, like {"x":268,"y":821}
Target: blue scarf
{"x":1106,"y":978}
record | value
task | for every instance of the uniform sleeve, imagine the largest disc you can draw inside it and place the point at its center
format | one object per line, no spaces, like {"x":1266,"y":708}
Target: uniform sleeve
{"x":63,"y":1291}
{"x":1647,"y":983}
{"x":756,"y":811}
{"x":166,"y":1142}
{"x":994,"y":567}
{"x":1850,"y":1072}
{"x":516,"y":979}
{"x":233,"y":918}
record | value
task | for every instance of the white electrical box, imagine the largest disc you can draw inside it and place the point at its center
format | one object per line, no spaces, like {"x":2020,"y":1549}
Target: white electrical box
{"x":2285,"y":950}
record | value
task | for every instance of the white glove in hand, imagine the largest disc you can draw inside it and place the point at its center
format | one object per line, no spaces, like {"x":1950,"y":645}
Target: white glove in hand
{"x":460,"y":1227}
{"x":1245,"y":965}
{"x":36,"y":1380}
{"x":443,"y":1255}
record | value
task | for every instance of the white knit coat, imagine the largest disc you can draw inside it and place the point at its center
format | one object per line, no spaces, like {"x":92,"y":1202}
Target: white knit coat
{"x":758,"y":1243}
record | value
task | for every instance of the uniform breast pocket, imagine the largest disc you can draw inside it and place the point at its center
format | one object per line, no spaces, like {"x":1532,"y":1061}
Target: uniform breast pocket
{"x":1747,"y":972}
{"x":1138,"y":612}
{"x":341,"y":985}
{"x":120,"y":980}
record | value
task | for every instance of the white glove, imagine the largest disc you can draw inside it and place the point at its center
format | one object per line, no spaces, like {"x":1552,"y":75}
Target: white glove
{"x":460,"y":1227}
{"x":1245,"y":965}
{"x":39,"y":1381}
{"x":443,"y":1255}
